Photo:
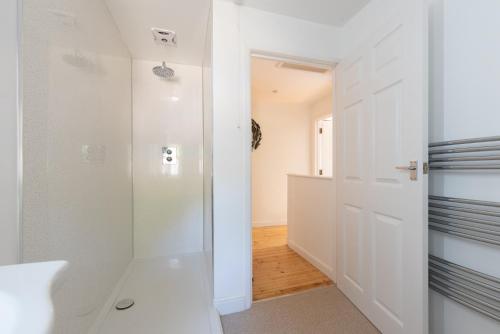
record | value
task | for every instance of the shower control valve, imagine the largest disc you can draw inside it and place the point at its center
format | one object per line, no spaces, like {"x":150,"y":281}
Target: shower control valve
{"x":169,"y":155}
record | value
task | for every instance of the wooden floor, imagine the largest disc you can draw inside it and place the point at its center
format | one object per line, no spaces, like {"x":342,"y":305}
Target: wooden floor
{"x":277,"y":269}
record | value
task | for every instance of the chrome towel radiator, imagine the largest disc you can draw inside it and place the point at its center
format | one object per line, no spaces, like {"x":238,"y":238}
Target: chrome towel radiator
{"x":468,"y":287}
{"x":466,"y":154}
{"x":467,"y":219}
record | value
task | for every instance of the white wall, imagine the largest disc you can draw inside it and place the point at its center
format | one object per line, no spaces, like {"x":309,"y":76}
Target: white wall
{"x":77,"y":193}
{"x":168,"y":200}
{"x":237,"y":30}
{"x":288,"y":147}
{"x":311,"y":222}
{"x":285,"y":149}
{"x":264,"y":31}
{"x":8,"y":133}
{"x":230,"y":290}
{"x":465,"y":76}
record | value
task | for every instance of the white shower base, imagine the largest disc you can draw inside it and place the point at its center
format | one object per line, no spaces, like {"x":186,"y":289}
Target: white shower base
{"x":171,"y":296}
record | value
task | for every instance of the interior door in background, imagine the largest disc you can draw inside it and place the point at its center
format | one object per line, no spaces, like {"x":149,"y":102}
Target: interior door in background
{"x":324,"y":147}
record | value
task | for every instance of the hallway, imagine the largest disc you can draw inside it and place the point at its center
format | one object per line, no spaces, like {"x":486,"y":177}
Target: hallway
{"x":277,"y":269}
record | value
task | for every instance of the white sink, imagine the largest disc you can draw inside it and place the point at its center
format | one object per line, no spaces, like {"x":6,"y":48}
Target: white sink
{"x":25,"y":296}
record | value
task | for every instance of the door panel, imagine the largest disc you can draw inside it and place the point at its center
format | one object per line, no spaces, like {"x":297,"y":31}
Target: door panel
{"x":387,"y":264}
{"x":382,"y":124}
{"x":352,"y":152}
{"x":352,"y":253}
{"x":386,"y":128}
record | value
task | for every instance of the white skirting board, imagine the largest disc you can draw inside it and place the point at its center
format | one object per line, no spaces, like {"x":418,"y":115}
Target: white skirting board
{"x":230,"y":305}
{"x":322,"y":266}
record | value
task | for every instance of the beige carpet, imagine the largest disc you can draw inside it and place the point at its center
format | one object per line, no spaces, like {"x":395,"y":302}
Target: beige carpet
{"x":318,"y":311}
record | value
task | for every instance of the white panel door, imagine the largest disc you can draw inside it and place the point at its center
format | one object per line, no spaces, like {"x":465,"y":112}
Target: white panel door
{"x":381,"y":212}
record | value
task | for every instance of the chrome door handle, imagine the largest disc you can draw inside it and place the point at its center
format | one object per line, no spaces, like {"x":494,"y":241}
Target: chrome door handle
{"x":406,"y":167}
{"x":413,"y":167}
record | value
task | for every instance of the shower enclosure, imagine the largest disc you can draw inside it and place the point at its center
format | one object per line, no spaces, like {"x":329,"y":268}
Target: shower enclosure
{"x":98,"y":187}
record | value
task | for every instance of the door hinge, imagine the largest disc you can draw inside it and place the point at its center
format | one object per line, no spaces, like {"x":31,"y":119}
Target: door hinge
{"x":426,"y":168}
{"x":320,"y":131}
{"x":320,"y":172}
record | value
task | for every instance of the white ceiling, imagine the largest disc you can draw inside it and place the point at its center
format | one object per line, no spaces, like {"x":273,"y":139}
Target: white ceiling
{"x":292,"y":86}
{"x":188,"y":18}
{"x":330,"y":12}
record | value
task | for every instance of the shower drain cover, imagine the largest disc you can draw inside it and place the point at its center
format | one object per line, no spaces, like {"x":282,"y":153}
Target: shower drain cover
{"x":124,"y":304}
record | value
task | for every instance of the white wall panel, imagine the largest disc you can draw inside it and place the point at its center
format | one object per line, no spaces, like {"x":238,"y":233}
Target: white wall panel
{"x":168,"y":199}
{"x":8,"y":133}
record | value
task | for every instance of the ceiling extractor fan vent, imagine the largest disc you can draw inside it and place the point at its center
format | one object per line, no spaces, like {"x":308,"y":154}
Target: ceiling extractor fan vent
{"x":164,"y":37}
{"x":302,"y":67}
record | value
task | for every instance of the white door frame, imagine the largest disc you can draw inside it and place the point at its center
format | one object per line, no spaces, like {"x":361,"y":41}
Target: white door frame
{"x":246,"y":121}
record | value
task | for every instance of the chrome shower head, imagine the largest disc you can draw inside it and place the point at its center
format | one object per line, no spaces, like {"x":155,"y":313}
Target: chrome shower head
{"x":163,"y":71}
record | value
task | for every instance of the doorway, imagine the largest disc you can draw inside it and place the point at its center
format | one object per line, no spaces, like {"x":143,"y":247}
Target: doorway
{"x":289,"y":100}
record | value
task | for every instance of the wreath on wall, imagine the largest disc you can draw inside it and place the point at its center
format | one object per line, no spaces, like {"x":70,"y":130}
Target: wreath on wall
{"x":256,"y":135}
